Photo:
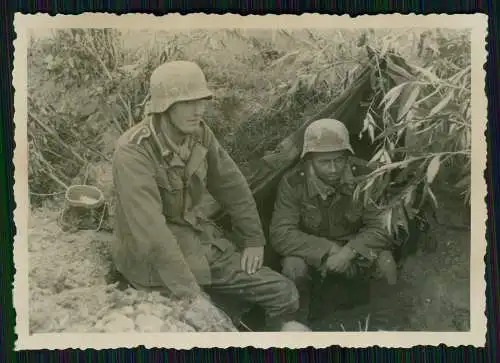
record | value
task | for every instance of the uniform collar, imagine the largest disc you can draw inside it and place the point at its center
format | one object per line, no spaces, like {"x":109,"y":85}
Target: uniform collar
{"x":315,"y":186}
{"x":164,"y":151}
{"x":166,"y":146}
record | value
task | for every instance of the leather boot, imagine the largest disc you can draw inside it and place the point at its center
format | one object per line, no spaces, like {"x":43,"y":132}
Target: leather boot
{"x":387,"y":267}
{"x":304,"y":288}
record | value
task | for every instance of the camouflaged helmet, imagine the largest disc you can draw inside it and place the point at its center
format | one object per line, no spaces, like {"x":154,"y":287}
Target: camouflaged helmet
{"x":326,"y":135}
{"x":175,"y":82}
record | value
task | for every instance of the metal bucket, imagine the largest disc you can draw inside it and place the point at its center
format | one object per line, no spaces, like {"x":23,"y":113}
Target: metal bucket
{"x":84,"y":196}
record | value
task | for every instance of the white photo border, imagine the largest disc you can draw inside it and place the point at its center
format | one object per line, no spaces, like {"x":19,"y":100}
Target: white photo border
{"x":477,"y":23}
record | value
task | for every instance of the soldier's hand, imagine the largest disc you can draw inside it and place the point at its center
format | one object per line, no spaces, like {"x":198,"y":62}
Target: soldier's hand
{"x":252,"y":259}
{"x":336,"y":247}
{"x":339,"y":262}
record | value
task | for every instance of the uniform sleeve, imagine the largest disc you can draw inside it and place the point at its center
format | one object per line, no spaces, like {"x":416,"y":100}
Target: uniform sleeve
{"x":286,"y":236}
{"x":372,"y":237}
{"x":228,"y":186}
{"x":138,"y":194}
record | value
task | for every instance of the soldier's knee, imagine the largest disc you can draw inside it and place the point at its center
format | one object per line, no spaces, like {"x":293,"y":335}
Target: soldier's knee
{"x":290,"y":295}
{"x":283,"y":302}
{"x":295,"y":268}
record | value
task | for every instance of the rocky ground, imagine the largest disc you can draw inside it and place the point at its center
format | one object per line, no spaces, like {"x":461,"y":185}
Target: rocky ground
{"x":72,"y":289}
{"x":70,"y":276}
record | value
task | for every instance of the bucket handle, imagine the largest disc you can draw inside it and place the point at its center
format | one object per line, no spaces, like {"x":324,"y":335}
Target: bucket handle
{"x":63,"y":211}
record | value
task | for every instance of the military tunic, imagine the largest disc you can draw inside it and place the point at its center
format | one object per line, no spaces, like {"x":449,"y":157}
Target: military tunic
{"x":305,"y":224}
{"x":164,"y":236}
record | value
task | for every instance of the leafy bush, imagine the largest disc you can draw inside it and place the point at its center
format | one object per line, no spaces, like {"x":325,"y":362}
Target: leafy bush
{"x":86,"y":86}
{"x":420,"y":126}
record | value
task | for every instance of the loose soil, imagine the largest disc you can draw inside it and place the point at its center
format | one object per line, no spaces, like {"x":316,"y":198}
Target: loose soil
{"x":72,"y":286}
{"x":73,"y":289}
{"x":432,"y":293}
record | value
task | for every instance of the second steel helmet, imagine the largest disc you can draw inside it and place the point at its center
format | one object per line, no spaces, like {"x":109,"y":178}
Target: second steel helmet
{"x":326,"y":135}
{"x":175,"y":82}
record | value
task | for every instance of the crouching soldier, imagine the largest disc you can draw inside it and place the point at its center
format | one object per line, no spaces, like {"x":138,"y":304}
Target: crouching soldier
{"x":163,"y":169}
{"x":317,"y":226}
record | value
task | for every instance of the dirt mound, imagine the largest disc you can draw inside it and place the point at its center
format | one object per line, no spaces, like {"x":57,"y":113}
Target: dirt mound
{"x":70,"y":289}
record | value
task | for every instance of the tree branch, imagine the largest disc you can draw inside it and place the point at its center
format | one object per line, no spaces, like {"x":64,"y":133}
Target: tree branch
{"x":93,"y":51}
{"x":54,"y":133}
{"x":49,"y":170}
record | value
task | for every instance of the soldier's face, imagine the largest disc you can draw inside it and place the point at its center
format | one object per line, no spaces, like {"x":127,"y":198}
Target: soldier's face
{"x":186,"y":116}
{"x":329,"y":166}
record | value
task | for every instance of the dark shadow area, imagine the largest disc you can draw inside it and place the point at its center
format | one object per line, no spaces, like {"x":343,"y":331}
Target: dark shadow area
{"x":264,"y":175}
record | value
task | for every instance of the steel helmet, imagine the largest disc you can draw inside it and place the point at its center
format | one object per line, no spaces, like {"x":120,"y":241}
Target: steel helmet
{"x":175,"y":82}
{"x":326,"y":135}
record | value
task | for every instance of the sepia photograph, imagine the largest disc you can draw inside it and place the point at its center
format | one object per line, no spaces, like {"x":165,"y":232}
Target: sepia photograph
{"x":250,"y":178}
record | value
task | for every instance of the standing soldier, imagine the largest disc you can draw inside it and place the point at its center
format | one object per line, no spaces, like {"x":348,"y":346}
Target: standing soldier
{"x":163,"y":169}
{"x":317,"y":225}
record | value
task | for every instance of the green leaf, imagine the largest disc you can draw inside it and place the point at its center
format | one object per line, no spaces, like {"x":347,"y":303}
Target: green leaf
{"x":376,"y":157}
{"x":385,"y":47}
{"x":371,"y":132}
{"x":467,"y":195}
{"x":463,"y":182}
{"x":399,"y":164}
{"x":388,"y":221}
{"x":430,"y":96}
{"x":433,"y":197}
{"x":366,"y":122}
{"x":285,"y":60}
{"x":452,"y":128}
{"x":369,"y":184}
{"x":427,"y":73}
{"x":409,"y":196}
{"x":366,"y":197}
{"x":410,"y":101}
{"x":397,"y":72}
{"x":441,"y":105}
{"x":392,"y":95}
{"x":456,"y":77}
{"x":387,"y":157}
{"x":433,"y":168}
{"x":369,"y":119}
{"x":425,"y":129}
{"x":355,"y":194}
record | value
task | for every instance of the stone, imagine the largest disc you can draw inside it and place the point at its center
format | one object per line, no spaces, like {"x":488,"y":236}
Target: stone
{"x":148,"y":323}
{"x":160,"y":311}
{"x":120,"y":323}
{"x":294,"y":326}
{"x":144,"y":308}
{"x":204,"y":316}
{"x":127,"y":310}
{"x":111,"y":316}
{"x":176,"y":326}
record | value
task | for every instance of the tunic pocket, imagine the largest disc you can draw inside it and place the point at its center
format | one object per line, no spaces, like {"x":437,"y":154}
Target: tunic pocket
{"x":172,"y":194}
{"x":354,"y":215}
{"x":311,"y":216}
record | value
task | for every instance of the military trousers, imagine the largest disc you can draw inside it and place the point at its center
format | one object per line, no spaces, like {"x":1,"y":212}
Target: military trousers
{"x":332,"y":291}
{"x":234,"y":289}
{"x":273,"y":292}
